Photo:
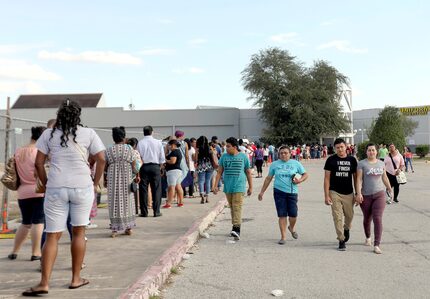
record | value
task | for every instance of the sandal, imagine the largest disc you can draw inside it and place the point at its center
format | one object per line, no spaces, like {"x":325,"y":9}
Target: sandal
{"x":83,"y":283}
{"x":33,"y":293}
{"x":113,"y":235}
{"x":12,"y":256}
{"x":294,"y":234}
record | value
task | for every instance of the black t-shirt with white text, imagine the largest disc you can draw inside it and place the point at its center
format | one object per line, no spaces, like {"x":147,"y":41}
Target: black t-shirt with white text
{"x":341,"y":171}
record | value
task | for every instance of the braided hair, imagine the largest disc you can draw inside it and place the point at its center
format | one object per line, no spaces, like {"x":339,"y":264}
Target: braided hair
{"x":68,"y":120}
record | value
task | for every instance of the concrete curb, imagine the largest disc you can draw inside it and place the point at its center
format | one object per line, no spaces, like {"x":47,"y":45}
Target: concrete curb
{"x":156,"y":275}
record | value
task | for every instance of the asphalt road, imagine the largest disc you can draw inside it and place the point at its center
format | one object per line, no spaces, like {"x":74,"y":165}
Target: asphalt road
{"x":311,"y":267}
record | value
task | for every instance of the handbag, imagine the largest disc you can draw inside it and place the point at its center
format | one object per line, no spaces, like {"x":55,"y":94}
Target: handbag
{"x":133,"y":187}
{"x":40,"y":187}
{"x":10,"y":178}
{"x":188,"y":180}
{"x":401,"y":177}
{"x":214,"y":161}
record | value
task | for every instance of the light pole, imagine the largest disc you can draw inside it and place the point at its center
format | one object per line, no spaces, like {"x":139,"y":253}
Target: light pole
{"x":362,"y":134}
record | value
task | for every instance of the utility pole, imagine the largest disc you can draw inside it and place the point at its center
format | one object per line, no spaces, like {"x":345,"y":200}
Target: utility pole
{"x":5,"y":202}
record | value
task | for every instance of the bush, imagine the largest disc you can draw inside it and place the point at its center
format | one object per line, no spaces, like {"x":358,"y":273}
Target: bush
{"x":361,"y":151}
{"x":422,"y":150}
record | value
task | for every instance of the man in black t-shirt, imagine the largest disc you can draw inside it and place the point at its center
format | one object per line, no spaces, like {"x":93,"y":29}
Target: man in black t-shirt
{"x":340,"y":172}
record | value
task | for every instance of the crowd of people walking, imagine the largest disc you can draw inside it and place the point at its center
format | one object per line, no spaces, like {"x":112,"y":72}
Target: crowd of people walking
{"x":138,"y":174}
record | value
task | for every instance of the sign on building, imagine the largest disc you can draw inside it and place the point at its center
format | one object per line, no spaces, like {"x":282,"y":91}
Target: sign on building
{"x":410,"y":111}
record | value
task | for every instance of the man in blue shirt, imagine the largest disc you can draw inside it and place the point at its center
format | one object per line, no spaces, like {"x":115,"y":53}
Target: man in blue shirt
{"x":236,"y":169}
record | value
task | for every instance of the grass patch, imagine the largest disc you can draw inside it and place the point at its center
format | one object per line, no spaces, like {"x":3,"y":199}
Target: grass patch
{"x":421,"y":159}
{"x":174,"y":270}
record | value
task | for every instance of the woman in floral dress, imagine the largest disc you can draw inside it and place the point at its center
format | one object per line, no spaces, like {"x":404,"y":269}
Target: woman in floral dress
{"x":120,"y":162}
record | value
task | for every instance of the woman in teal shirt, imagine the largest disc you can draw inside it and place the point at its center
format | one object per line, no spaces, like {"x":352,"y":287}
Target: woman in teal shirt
{"x":288,"y":174}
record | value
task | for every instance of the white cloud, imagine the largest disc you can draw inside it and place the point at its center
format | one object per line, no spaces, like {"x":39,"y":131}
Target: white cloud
{"x":106,"y":57}
{"x":23,"y":87}
{"x":22,"y":70}
{"x":190,"y":70}
{"x":157,"y":52}
{"x":343,"y":46}
{"x":284,"y":38}
{"x":197,"y":41}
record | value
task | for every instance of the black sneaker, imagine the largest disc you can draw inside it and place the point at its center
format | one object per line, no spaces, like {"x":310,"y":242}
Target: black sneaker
{"x":396,"y":200}
{"x":346,"y":234}
{"x":342,"y":246}
{"x":235,"y":235}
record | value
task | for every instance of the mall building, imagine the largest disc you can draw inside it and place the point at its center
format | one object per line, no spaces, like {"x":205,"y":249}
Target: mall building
{"x":223,"y":122}
{"x":363,"y":119}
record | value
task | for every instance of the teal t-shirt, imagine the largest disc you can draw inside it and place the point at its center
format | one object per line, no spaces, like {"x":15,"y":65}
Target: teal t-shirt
{"x":284,"y":173}
{"x":234,"y":167}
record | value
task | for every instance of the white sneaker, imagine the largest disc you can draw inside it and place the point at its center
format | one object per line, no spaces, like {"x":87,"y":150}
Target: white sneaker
{"x":92,"y":225}
{"x":377,"y":250}
{"x":368,"y":242}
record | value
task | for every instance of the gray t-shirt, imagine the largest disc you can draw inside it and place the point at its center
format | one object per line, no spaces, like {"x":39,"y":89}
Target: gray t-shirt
{"x":67,"y":165}
{"x":372,"y":176}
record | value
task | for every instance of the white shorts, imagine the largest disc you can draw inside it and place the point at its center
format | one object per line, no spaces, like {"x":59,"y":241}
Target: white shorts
{"x":59,"y":202}
{"x":174,"y":177}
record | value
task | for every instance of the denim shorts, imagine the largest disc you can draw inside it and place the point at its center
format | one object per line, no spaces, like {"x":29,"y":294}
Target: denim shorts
{"x":32,"y":210}
{"x":59,"y":202}
{"x":286,"y":203}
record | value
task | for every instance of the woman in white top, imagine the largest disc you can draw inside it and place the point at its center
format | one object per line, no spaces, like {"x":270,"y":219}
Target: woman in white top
{"x":265,"y":155}
{"x":189,"y":185}
{"x":69,"y":188}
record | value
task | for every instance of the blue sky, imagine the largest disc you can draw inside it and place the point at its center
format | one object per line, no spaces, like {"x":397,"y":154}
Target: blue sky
{"x":180,"y":54}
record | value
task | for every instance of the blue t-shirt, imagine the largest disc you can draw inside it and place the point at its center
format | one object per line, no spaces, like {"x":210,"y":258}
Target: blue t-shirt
{"x":234,"y":167}
{"x":284,"y":173}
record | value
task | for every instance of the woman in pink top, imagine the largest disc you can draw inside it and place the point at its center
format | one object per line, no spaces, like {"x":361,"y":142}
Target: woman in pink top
{"x":394,"y":163}
{"x":30,"y":203}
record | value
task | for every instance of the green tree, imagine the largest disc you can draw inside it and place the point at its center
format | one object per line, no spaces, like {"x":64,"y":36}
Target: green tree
{"x":298,"y":104}
{"x":391,"y":126}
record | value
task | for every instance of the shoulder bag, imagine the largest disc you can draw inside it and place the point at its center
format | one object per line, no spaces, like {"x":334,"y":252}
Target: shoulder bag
{"x":401,"y":177}
{"x":10,"y":178}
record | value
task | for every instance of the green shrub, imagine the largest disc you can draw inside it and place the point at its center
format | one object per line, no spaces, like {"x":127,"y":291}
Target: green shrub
{"x":361,"y":150}
{"x":422,"y":150}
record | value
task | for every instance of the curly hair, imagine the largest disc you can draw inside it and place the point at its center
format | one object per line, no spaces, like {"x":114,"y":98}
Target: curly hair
{"x":118,"y":134}
{"x":68,"y":120}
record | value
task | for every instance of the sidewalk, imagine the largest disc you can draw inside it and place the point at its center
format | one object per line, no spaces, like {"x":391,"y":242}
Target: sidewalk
{"x":113,"y":265}
{"x":311,"y":267}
